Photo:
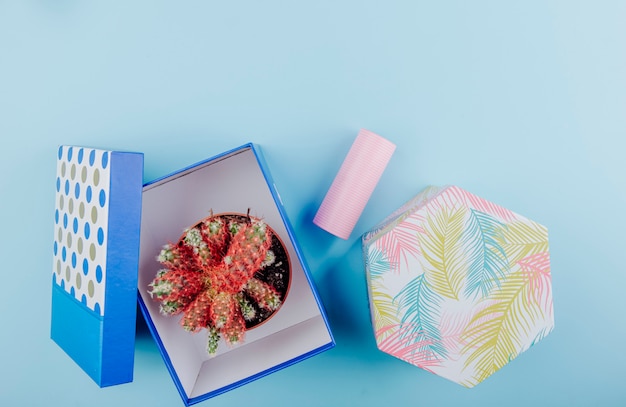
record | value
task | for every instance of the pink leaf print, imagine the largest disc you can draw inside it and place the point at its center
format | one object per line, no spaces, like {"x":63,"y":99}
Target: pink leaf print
{"x":400,"y":243}
{"x":404,"y":343}
{"x":536,"y":268}
{"x":452,"y":326}
{"x":481,"y":204}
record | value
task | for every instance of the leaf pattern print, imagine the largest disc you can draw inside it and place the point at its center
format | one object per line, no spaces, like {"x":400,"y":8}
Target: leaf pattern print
{"x":405,"y":342}
{"x":523,"y":239}
{"x":421,"y":311}
{"x":472,"y":201}
{"x":401,"y":242}
{"x":488,"y":261}
{"x":451,"y":327}
{"x":536,"y":268}
{"x":377,"y":262}
{"x":384,"y":311}
{"x":444,"y":255}
{"x":495,"y":335}
{"x":458,"y":286}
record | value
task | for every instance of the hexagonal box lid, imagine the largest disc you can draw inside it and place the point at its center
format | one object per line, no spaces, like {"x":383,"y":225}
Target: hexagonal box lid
{"x":458,"y":286}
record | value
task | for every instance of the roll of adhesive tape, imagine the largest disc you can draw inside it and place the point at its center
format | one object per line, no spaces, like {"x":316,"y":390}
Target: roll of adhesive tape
{"x":362,"y":168}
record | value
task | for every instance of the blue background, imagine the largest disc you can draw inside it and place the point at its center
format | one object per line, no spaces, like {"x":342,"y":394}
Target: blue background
{"x":522,"y":103}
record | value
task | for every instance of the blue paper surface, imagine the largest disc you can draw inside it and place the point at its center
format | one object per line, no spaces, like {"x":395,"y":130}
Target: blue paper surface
{"x":521,"y":102}
{"x":96,"y":249}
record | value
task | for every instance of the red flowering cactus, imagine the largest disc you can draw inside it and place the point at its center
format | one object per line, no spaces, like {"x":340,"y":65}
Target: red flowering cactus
{"x":209,"y":277}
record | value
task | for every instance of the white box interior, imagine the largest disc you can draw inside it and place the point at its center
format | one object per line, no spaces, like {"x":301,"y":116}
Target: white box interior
{"x":232,"y":183}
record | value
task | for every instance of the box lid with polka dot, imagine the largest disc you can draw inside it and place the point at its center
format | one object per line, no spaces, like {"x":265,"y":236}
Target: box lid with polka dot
{"x":97,"y":220}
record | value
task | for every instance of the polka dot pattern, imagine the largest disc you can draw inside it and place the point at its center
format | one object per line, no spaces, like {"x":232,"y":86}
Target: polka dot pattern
{"x":81,"y":224}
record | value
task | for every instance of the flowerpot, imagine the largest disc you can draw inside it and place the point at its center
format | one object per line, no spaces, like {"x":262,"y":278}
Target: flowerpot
{"x":228,"y":273}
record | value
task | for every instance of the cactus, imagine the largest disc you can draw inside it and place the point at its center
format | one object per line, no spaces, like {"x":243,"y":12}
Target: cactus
{"x":175,"y":289}
{"x":210,"y":276}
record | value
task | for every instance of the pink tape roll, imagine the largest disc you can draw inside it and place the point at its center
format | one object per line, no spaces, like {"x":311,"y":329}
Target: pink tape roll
{"x":362,"y":168}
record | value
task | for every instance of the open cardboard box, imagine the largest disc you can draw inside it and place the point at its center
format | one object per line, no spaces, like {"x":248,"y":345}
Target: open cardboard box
{"x":235,"y":181}
{"x":97,"y":250}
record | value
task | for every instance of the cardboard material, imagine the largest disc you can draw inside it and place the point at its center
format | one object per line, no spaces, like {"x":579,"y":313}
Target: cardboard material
{"x":103,"y":209}
{"x":235,"y":181}
{"x":458,"y":286}
{"x":97,"y":219}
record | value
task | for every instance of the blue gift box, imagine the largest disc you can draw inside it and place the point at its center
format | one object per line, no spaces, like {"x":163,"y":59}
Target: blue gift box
{"x":96,"y":250}
{"x":236,"y":181}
